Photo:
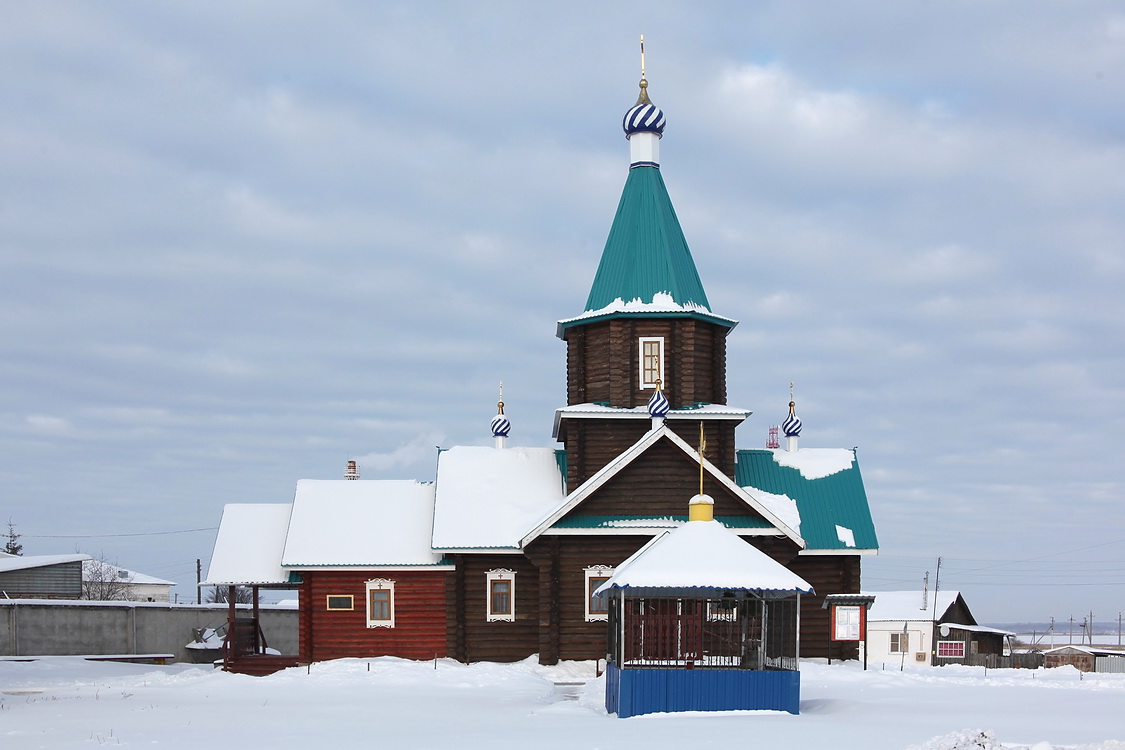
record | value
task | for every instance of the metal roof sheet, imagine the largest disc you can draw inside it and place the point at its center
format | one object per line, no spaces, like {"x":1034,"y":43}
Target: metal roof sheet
{"x":824,"y":503}
{"x":646,"y":253}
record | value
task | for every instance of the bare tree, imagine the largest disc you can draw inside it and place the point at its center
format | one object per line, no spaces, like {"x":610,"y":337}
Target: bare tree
{"x":13,"y":546}
{"x":105,"y":582}
{"x":242,"y":595}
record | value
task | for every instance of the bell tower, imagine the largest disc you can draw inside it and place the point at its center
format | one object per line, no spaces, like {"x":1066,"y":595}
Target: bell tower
{"x":647,"y":325}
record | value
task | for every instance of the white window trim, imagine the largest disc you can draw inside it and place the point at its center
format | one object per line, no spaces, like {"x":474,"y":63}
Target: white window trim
{"x":646,"y":385}
{"x":595,"y":571}
{"x":960,"y":644}
{"x":379,"y":584}
{"x":500,"y":574}
{"x":715,"y":614}
{"x":903,"y":648}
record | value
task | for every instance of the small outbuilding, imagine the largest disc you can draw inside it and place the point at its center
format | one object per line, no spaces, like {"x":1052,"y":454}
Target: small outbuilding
{"x":699,"y":620}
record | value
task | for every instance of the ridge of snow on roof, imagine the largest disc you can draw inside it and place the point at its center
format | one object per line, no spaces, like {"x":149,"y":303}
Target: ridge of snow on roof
{"x":490,"y":497}
{"x":347,"y":522}
{"x":249,"y":544}
{"x":131,"y":576}
{"x":815,"y":463}
{"x":24,"y":562}
{"x":782,"y":506}
{"x":704,"y":555}
{"x":907,"y":605}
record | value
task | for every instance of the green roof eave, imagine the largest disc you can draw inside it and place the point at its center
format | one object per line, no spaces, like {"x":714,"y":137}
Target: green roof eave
{"x":582,"y":320}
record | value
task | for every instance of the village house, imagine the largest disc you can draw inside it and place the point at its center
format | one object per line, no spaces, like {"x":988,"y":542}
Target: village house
{"x":913,"y":628}
{"x":498,"y":557}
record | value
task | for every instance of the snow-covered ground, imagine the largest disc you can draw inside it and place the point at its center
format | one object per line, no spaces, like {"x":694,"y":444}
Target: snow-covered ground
{"x":65,"y":702}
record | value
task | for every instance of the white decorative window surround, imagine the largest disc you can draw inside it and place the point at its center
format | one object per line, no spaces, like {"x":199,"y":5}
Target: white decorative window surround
{"x":500,"y":595}
{"x":951,"y":649}
{"x":597,"y":610}
{"x":380,"y":603}
{"x":651,"y":361}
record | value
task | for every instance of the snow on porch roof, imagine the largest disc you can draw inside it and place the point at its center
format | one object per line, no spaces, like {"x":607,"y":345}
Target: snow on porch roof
{"x":704,"y":555}
{"x":248,"y":545}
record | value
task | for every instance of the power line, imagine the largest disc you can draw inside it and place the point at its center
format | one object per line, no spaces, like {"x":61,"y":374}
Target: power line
{"x":105,"y":536}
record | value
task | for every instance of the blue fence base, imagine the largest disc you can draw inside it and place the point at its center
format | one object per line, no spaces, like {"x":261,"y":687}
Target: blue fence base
{"x":630,"y":692}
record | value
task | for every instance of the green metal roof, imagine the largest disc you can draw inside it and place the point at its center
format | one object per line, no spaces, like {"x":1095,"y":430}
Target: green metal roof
{"x":825,"y":503}
{"x":624,"y":523}
{"x":646,"y":252}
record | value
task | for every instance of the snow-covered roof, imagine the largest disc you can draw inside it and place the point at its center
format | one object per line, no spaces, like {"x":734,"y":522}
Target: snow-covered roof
{"x":100,"y":569}
{"x":342,"y":522}
{"x":704,"y":555}
{"x":249,"y":544}
{"x":907,"y":605}
{"x":815,"y":463}
{"x":601,"y":411}
{"x":17,"y":562}
{"x":827,"y":489}
{"x":490,"y":497}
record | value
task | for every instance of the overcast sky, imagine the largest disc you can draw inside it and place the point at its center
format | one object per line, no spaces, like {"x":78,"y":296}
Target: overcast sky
{"x":241,"y":243}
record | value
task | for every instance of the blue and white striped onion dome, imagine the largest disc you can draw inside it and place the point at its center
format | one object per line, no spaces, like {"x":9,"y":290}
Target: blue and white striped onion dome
{"x":658,"y":404}
{"x":643,"y":118}
{"x":500,"y":426}
{"x":792,"y":425}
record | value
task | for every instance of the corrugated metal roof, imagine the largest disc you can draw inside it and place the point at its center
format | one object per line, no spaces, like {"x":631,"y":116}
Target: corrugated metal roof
{"x":646,"y":252}
{"x":824,"y":503}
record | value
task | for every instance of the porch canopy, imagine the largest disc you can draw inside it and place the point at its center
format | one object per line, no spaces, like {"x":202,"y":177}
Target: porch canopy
{"x":703,"y":559}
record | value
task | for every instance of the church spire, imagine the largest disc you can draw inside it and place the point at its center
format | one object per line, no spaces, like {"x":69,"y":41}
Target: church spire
{"x":646,"y":267}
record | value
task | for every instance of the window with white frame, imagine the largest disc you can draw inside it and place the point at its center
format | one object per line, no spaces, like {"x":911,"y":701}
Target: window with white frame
{"x":652,"y":361}
{"x":500,"y":595}
{"x":597,"y":609}
{"x":380,"y":603}
{"x":951,"y":649}
{"x":900,"y":643}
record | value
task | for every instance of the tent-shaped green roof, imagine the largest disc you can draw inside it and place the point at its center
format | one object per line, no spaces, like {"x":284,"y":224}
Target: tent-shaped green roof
{"x":646,"y":253}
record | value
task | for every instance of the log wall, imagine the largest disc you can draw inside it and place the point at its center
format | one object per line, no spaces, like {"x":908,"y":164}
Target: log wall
{"x":419,"y":613}
{"x":591,"y":444}
{"x":471,"y":637}
{"x":658,"y":483}
{"x":603,"y":361}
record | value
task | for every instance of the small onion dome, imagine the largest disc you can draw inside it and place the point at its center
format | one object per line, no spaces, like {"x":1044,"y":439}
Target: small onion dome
{"x":500,"y":424}
{"x":792,"y":424}
{"x":658,"y":404}
{"x":644,"y":117}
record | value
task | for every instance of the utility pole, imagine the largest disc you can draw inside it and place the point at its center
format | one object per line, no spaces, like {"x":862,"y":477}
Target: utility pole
{"x":933,"y":624}
{"x":1118,"y":629}
{"x":198,"y":580}
{"x":1090,"y":630}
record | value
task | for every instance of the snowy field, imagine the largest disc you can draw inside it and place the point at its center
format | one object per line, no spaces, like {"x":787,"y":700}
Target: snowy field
{"x":65,"y":702}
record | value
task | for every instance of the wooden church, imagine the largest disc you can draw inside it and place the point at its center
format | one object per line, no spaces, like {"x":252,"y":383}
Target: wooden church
{"x":498,"y":558}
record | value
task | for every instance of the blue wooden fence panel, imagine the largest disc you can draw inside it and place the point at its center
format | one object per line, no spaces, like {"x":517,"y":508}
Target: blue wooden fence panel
{"x":630,"y":692}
